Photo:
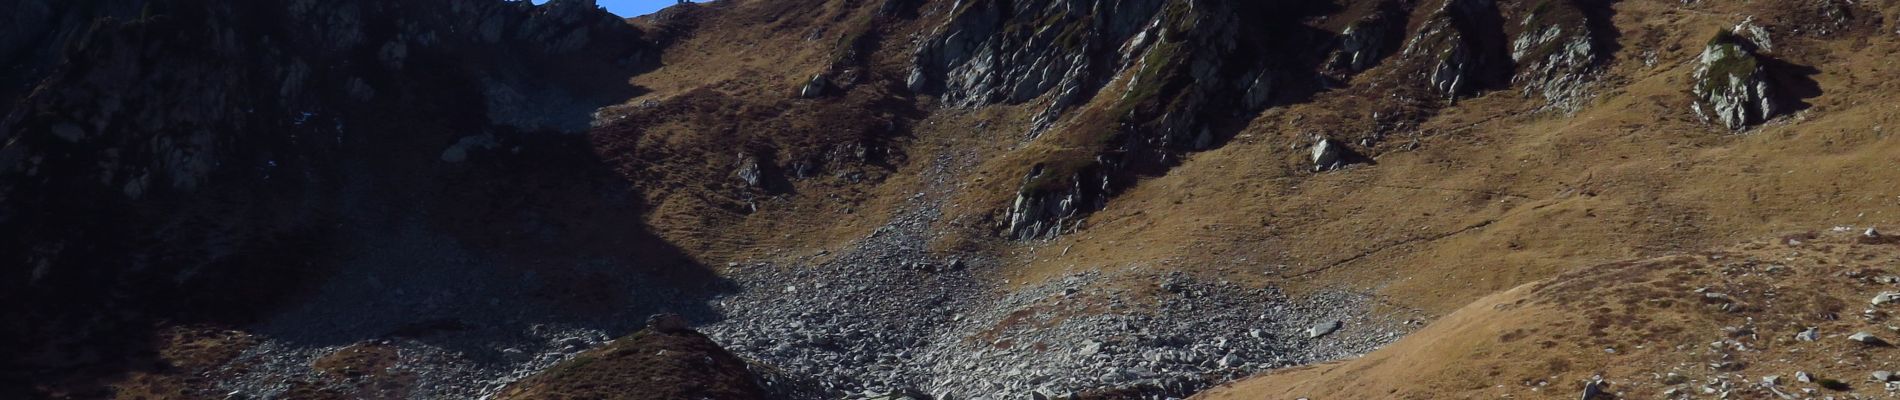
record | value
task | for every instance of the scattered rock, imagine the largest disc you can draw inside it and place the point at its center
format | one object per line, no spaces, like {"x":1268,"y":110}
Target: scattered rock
{"x":749,"y":170}
{"x":815,"y":87}
{"x":1323,"y":328}
{"x":862,"y":320}
{"x":1883,"y":376}
{"x":1327,"y":154}
{"x":1886,"y":297}
{"x":1229,"y":361}
{"x":1867,"y":339}
{"x":1089,"y":349}
{"x":1674,"y":379}
{"x":1809,"y":335}
{"x":1593,"y":389}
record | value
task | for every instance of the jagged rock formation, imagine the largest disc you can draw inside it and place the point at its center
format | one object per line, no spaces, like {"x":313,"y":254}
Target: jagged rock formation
{"x":1043,"y":211}
{"x":1194,"y":62}
{"x":1731,"y":84}
{"x":1461,"y":45}
{"x":1556,"y":53}
{"x":1184,"y":69}
{"x":1011,"y":52}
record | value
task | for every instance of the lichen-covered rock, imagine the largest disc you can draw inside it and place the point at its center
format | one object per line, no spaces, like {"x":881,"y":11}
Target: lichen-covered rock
{"x":1556,"y":54}
{"x":1731,"y":84}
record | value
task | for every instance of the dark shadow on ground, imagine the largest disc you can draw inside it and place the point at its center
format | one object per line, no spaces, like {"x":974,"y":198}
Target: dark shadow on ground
{"x":1600,"y":18}
{"x":333,"y":215}
{"x":1793,"y":83}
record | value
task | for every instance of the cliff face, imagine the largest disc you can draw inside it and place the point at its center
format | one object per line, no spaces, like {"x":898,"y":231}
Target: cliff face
{"x":198,"y":158}
{"x":1139,"y":84}
{"x":1187,"y":74}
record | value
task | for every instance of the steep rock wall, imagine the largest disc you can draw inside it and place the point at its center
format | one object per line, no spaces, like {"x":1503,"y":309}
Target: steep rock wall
{"x":196,"y":158}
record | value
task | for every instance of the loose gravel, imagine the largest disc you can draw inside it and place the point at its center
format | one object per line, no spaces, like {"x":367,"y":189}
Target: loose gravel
{"x":881,"y":316}
{"x":886,"y":316}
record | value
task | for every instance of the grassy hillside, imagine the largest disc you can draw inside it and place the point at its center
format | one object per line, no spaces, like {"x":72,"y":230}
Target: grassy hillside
{"x":1685,"y":325}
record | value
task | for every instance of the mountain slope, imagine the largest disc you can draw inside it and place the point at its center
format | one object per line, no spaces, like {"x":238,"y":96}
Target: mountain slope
{"x":1721,"y":322}
{"x":952,"y":198}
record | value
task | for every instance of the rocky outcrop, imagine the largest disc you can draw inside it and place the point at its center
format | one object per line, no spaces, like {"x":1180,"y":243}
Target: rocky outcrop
{"x":1328,"y":154}
{"x":1050,"y":201}
{"x":1460,"y":48}
{"x":1371,"y":38}
{"x":815,"y":87}
{"x":1731,"y":84}
{"x":748,"y":171}
{"x":1755,"y":34}
{"x":1556,"y":53}
{"x":1182,"y":68}
{"x":992,"y":51}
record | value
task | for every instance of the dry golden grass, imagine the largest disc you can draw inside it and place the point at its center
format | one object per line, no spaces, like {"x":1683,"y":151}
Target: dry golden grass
{"x":1497,"y":194}
{"x":1728,"y":315}
{"x":187,"y":360}
{"x":644,"y":365}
